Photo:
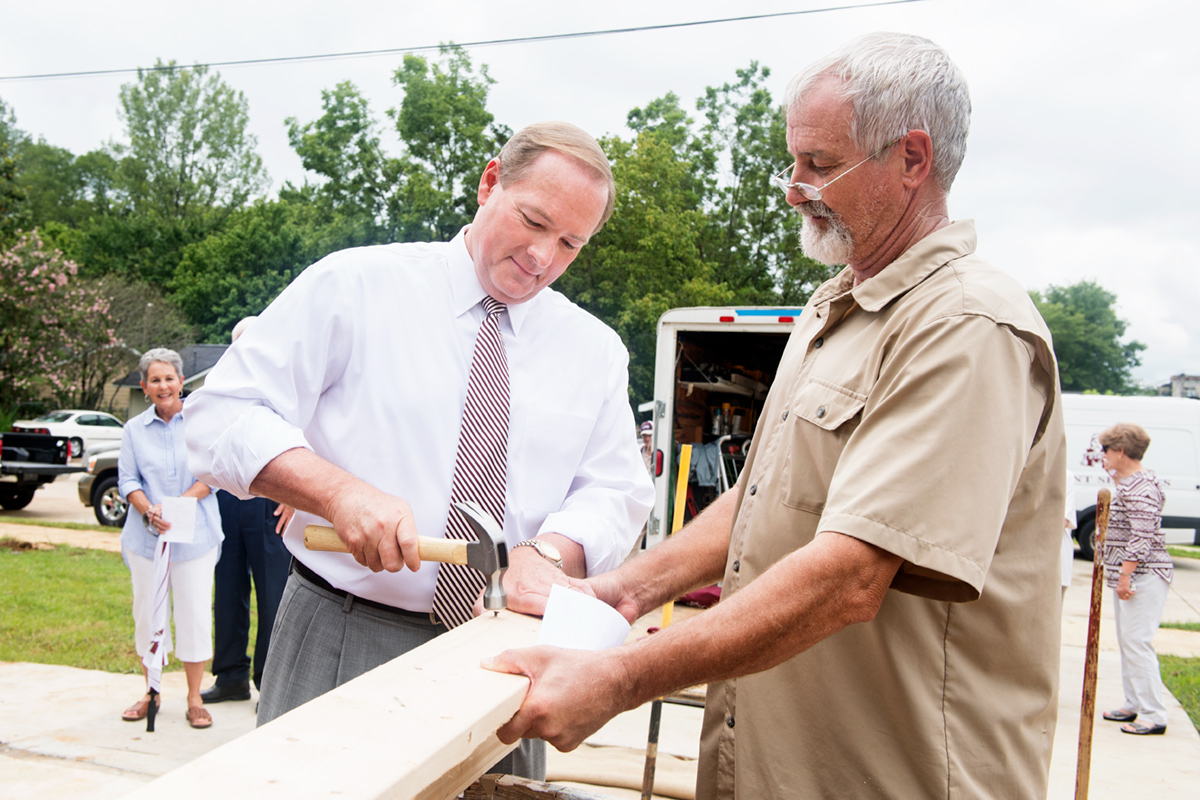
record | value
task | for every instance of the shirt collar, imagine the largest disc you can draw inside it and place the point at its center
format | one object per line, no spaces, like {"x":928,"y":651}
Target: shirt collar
{"x":152,"y":417}
{"x":914,"y":265}
{"x":466,"y":289}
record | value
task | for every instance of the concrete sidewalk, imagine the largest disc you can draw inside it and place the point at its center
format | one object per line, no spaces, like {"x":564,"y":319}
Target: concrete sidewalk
{"x":61,"y":734}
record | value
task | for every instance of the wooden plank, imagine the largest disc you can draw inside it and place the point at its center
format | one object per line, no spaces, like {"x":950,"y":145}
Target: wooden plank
{"x":421,"y":727}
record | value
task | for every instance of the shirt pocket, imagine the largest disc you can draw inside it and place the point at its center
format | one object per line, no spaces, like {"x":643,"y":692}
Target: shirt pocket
{"x":549,"y":451}
{"x":825,"y":416}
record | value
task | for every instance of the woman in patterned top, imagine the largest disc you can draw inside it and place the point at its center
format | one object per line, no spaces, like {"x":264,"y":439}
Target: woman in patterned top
{"x":1138,"y":569}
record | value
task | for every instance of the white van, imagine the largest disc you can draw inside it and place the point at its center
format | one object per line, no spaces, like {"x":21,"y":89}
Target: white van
{"x":1173,"y":424}
{"x":713,"y":367}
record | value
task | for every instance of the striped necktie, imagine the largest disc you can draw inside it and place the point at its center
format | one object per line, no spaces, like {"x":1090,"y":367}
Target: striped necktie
{"x":480,"y":465}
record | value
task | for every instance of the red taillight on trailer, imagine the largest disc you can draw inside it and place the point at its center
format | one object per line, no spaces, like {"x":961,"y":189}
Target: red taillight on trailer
{"x":726,"y":319}
{"x":787,"y":319}
{"x":658,"y":462}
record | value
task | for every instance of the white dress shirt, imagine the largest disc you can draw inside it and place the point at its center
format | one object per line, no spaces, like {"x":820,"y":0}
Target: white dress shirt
{"x":364,"y":360}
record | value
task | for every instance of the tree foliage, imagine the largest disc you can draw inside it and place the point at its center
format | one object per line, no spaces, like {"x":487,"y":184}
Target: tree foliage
{"x":342,"y":146}
{"x":189,"y":152}
{"x":448,"y":137}
{"x":1087,"y":338}
{"x":239,"y":271}
{"x":56,"y":331}
{"x":13,"y":214}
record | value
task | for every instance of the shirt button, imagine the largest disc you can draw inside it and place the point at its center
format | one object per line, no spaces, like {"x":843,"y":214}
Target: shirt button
{"x":785,"y":415}
{"x":754,"y":489}
{"x":820,"y":341}
{"x":737,"y":566}
{"x":729,"y":721}
{"x":820,"y":412}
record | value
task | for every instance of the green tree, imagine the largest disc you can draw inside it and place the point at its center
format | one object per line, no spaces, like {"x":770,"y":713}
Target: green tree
{"x":753,"y":235}
{"x":647,"y":259}
{"x":189,"y":152}
{"x":13,"y":215}
{"x":239,"y":271}
{"x":342,"y":146}
{"x":61,"y":187}
{"x":1087,"y":338}
{"x":448,"y":137}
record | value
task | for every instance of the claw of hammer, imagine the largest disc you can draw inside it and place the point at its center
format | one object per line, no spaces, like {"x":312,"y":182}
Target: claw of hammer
{"x":491,"y":559}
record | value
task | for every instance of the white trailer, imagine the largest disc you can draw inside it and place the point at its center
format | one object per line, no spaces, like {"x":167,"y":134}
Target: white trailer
{"x":713,"y":367}
{"x":1173,"y":424}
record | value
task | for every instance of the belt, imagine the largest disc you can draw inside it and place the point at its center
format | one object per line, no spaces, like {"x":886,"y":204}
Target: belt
{"x":421,"y":618}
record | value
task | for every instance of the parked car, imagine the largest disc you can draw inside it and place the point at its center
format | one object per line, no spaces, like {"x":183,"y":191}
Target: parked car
{"x":81,"y":429}
{"x":98,"y":487}
{"x":29,"y":461}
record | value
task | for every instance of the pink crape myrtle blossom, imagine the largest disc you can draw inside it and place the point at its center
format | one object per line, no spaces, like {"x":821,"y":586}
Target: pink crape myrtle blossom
{"x":54,"y":328}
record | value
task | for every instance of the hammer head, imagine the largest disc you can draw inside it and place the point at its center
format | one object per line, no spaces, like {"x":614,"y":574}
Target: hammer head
{"x":489,"y":555}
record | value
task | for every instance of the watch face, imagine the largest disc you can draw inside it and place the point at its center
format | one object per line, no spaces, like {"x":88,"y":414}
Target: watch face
{"x":550,"y":551}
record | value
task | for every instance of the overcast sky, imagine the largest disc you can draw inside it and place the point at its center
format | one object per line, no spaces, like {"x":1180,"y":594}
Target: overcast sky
{"x":1082,"y":161}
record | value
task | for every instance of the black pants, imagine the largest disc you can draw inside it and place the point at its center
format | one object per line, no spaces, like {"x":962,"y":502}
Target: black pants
{"x":251,"y":549}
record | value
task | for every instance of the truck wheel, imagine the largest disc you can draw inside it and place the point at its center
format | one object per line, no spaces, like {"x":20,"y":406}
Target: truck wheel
{"x":108,"y":504}
{"x":1085,"y":534}
{"x":14,"y":499}
{"x":75,"y":447}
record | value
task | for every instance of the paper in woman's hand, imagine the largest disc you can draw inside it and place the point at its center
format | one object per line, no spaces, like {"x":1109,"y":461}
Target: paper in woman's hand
{"x":579,"y":622}
{"x":181,"y":513}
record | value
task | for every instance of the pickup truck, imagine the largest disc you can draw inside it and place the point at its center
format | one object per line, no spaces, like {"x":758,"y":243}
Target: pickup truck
{"x":98,"y":488}
{"x":27,"y":462}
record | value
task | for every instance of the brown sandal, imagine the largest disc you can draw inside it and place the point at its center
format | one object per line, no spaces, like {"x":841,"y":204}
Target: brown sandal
{"x":198,"y":717}
{"x":140,"y":709}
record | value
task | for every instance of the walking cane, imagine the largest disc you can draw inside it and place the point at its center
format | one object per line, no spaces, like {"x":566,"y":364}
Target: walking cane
{"x":1087,"y":713}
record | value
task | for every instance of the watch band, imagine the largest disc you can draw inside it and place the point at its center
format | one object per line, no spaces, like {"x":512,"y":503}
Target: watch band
{"x":544,"y":549}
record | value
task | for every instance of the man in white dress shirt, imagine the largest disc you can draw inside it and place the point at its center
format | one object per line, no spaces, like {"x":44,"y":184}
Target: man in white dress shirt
{"x":346,"y":401}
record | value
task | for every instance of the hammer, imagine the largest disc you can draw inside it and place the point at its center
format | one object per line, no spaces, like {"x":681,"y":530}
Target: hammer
{"x":489,"y":555}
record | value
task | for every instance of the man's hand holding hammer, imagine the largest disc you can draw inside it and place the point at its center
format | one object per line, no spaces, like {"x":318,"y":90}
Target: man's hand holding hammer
{"x":379,"y":531}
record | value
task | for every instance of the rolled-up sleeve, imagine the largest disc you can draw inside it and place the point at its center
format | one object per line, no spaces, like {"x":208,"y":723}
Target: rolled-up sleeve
{"x":257,"y":401}
{"x":610,"y":495}
{"x":129,"y":479}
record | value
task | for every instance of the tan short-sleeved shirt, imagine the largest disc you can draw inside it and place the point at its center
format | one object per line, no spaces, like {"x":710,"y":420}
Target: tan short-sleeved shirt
{"x":919,"y":412}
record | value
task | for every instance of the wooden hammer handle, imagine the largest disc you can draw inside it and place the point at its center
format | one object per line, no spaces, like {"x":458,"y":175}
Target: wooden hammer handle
{"x":447,"y":551}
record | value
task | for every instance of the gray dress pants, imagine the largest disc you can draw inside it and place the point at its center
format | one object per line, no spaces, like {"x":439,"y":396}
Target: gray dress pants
{"x":322,"y":640}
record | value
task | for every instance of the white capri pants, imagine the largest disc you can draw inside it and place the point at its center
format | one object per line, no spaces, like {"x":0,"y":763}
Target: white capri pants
{"x":190,"y":598}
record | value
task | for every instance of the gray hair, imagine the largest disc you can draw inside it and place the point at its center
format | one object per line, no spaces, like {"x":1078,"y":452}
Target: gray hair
{"x":898,"y":83}
{"x":527,"y":144}
{"x":163,"y":355}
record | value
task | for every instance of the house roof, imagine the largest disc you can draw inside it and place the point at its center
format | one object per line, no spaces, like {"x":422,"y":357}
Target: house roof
{"x":198,"y":359}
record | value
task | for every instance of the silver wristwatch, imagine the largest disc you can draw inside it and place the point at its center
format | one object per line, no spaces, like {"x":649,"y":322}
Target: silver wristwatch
{"x":544,"y":549}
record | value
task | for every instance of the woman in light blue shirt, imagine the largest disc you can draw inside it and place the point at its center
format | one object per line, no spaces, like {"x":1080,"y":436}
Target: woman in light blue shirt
{"x":152,"y":466}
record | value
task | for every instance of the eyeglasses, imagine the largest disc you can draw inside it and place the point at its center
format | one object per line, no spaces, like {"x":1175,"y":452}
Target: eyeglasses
{"x":810,"y":192}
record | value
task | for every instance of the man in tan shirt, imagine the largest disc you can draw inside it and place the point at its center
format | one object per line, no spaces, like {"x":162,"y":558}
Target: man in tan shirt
{"x":889,"y":624}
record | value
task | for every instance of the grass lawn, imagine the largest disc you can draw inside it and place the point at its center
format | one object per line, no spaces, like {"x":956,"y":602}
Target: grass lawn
{"x":1182,"y":677}
{"x":72,"y":607}
{"x":1183,"y":626}
{"x":71,"y":526}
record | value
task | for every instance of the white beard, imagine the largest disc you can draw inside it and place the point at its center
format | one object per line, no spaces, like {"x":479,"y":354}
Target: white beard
{"x":833,"y":245}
